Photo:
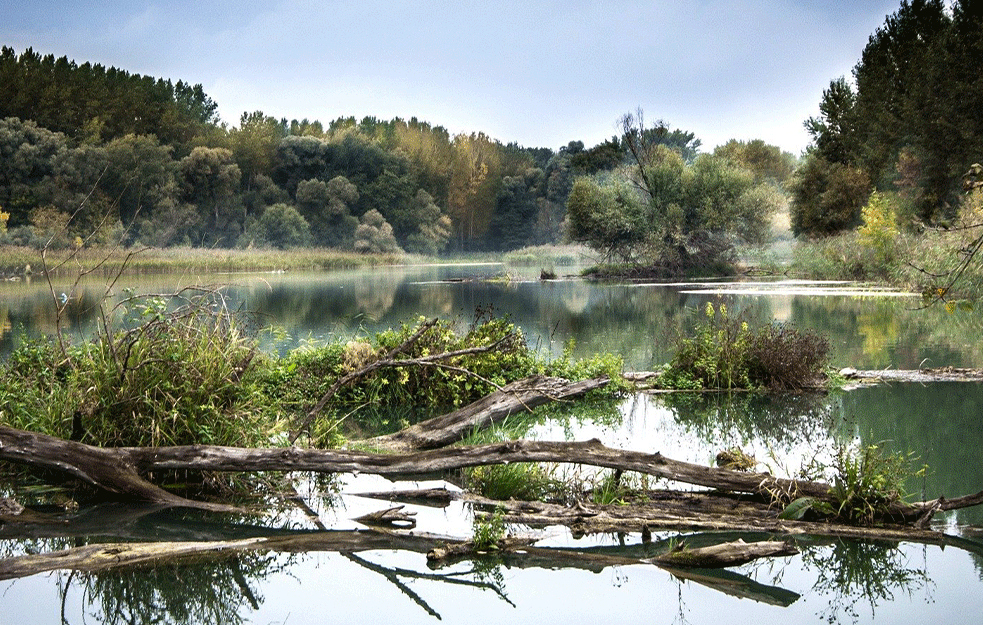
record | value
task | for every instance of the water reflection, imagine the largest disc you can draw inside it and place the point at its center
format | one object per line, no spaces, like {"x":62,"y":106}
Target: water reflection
{"x":211,"y":592}
{"x":640,"y":322}
{"x":842,"y":581}
{"x":852,"y":573}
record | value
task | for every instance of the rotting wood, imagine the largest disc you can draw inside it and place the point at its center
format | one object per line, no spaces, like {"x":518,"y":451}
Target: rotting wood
{"x":393,"y":517}
{"x":725,"y":555}
{"x":917,"y":376}
{"x":675,"y":510}
{"x":722,"y":555}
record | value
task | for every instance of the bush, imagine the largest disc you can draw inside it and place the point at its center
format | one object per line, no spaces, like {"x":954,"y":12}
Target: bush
{"x":879,"y":229}
{"x":783,"y":358}
{"x":178,"y":377}
{"x":725,"y":353}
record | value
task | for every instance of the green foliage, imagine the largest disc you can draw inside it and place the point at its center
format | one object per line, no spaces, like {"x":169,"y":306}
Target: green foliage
{"x":715,"y":357}
{"x":522,"y":481}
{"x":909,"y":120}
{"x":725,"y":353}
{"x":488,"y":530}
{"x":879,"y":229}
{"x":610,"y":488}
{"x":433,"y":229}
{"x":609,"y":218}
{"x":374,"y":235}
{"x":670,"y":211}
{"x":603,"y":365}
{"x":177,"y":377}
{"x":281,"y":226}
{"x":867,"y":480}
{"x":37,"y":391}
{"x":767,"y":162}
{"x":827,"y":196}
{"x":93,"y":102}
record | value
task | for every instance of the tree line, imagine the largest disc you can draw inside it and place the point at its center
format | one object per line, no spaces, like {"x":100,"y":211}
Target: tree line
{"x":94,"y":150}
{"x":148,"y":160}
{"x":906,"y":123}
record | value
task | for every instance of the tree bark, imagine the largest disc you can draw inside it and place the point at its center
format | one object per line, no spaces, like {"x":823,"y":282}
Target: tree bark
{"x":118,"y":470}
{"x":520,"y":396}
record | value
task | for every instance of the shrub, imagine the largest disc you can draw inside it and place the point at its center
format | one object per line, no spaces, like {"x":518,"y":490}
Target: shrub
{"x":879,"y":229}
{"x":177,"y":377}
{"x":725,"y":353}
{"x":784,"y":358}
{"x":715,"y":357}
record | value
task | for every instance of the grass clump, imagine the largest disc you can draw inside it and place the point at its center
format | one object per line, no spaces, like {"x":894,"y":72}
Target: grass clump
{"x":178,"y":376}
{"x":522,"y":481}
{"x":867,"y":481}
{"x":725,"y":353}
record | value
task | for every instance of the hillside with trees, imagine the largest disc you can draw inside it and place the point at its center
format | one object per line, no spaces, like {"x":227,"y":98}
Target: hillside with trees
{"x":143,"y":160}
{"x":148,"y":160}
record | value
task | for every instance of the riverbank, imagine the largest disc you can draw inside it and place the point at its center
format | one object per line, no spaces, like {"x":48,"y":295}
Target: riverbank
{"x":20,"y":261}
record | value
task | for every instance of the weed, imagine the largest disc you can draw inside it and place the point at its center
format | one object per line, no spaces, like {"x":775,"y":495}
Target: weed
{"x":866,"y":481}
{"x":516,"y":480}
{"x":610,"y":489}
{"x":488,"y":530}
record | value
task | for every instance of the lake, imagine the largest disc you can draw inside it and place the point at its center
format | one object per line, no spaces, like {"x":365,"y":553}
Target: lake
{"x":837,"y":581}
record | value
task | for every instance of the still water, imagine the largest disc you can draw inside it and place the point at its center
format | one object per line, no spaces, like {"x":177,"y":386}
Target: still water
{"x":831,"y":581}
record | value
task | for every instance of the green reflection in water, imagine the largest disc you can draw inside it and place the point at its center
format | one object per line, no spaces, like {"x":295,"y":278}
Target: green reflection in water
{"x":941,"y":423}
{"x":640,"y":322}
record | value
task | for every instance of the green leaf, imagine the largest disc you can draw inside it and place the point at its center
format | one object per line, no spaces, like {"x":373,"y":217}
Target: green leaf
{"x":797,"y":510}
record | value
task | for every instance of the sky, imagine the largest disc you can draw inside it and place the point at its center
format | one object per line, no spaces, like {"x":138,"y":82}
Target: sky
{"x":540,"y":73}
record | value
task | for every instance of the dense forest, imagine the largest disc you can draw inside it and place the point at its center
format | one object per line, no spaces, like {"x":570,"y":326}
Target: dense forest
{"x":90,"y":155}
{"x":148,"y":160}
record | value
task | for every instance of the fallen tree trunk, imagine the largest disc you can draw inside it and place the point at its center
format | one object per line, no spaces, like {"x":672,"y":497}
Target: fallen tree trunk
{"x":919,"y":376}
{"x":520,"y":396}
{"x":118,"y":470}
{"x":675,"y":510}
{"x":725,"y":555}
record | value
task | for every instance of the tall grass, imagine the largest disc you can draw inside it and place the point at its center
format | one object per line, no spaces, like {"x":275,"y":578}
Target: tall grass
{"x":178,"y":377}
{"x":14,"y":260}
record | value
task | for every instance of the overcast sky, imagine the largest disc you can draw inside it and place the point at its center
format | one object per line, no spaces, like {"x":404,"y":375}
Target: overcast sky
{"x":538,"y":72}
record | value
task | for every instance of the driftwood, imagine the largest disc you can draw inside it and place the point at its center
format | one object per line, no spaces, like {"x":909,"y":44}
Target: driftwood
{"x":440,"y":550}
{"x":722,"y":555}
{"x":919,"y":376}
{"x":515,"y":398}
{"x":118,"y":470}
{"x":739,"y":501}
{"x":717,"y":511}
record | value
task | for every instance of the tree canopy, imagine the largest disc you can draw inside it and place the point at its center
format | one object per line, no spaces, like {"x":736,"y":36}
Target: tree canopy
{"x":908,"y":121}
{"x":666,"y":212}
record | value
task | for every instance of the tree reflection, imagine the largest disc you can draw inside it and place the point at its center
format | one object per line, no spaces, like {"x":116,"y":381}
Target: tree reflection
{"x":854,"y":572}
{"x":181,"y":594}
{"x":736,"y":418}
